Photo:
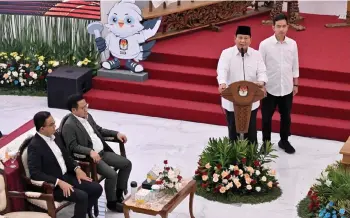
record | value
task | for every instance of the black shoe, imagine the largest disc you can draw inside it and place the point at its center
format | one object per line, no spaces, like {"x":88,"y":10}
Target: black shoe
{"x":286,"y":146}
{"x":115,"y":206}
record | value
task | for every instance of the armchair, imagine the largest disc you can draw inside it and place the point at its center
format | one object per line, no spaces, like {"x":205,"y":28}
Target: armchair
{"x":51,"y":206}
{"x":5,"y":203}
{"x":86,"y":160}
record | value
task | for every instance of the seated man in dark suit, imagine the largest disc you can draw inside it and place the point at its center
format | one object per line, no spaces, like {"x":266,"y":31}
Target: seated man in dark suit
{"x":49,"y":161}
{"x":83,"y":136}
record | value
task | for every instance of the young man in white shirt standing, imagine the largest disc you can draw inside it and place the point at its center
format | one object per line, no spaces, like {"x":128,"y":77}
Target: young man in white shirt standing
{"x":230,"y":69}
{"x":280,"y":55}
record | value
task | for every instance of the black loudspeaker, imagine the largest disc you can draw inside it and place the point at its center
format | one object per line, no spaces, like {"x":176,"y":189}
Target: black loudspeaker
{"x":66,"y":81}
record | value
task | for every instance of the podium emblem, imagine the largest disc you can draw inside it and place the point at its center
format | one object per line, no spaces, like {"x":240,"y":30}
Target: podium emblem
{"x":243,"y":91}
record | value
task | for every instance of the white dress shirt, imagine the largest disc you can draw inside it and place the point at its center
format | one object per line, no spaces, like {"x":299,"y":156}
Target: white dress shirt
{"x":96,"y":141}
{"x":230,"y":70}
{"x":282,"y":64}
{"x":50,"y":141}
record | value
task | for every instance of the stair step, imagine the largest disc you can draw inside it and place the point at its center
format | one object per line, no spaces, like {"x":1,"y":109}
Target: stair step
{"x":324,"y":89}
{"x":207,"y":76}
{"x":181,"y":73}
{"x":208,"y":113}
{"x":209,"y":94}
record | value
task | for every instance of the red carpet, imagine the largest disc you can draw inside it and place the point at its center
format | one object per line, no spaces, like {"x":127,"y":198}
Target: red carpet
{"x":183,"y":84}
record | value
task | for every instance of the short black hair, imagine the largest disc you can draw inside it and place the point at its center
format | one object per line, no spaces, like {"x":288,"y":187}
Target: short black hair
{"x":73,"y":100}
{"x":40,"y":119}
{"x":280,"y":17}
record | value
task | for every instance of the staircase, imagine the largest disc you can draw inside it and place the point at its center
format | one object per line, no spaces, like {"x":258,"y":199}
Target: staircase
{"x":185,"y":88}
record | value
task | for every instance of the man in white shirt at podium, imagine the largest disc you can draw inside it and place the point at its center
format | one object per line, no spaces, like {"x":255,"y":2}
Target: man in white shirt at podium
{"x":231,"y":68}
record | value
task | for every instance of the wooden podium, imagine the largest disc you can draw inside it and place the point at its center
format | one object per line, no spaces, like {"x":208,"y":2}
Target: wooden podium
{"x":243,"y":94}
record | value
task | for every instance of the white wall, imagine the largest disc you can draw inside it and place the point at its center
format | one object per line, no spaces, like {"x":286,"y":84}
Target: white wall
{"x":335,"y":7}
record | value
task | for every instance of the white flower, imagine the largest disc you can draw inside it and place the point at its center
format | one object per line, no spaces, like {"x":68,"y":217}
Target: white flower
{"x":18,"y":58}
{"x":249,"y":187}
{"x":30,"y":82}
{"x":55,"y":64}
{"x":231,"y":167}
{"x":7,"y":81}
{"x":328,"y":183}
{"x":225,"y":181}
{"x":178,"y":186}
{"x":15,"y":73}
{"x":258,"y":189}
{"x":9,"y":73}
{"x":22,"y":71}
{"x":324,"y":175}
{"x":207,"y":165}
{"x":2,"y":81}
{"x":21,"y":80}
{"x":257,"y":172}
{"x":205,"y":177}
{"x":22,"y":84}
{"x":215,"y":179}
{"x":263,"y":179}
{"x":175,"y":179}
{"x":79,"y":63}
{"x":40,"y":63}
{"x":170,"y":185}
{"x":171,"y":174}
{"x":35,"y":76}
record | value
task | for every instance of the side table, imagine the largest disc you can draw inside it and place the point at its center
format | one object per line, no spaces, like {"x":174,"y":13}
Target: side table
{"x":166,"y":206}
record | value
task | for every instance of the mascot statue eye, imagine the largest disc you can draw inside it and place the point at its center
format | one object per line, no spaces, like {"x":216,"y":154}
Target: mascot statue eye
{"x":115,"y":19}
{"x":129,"y":20}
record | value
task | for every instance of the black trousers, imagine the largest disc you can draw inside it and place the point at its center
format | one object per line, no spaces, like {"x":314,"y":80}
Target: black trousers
{"x":252,"y":134}
{"x":85,"y":195}
{"x":268,"y":107}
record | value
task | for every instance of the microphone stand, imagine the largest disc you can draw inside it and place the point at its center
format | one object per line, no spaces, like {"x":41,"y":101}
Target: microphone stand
{"x":241,"y":135}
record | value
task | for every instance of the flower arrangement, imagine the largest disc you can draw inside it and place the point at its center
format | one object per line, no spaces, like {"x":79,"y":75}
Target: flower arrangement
{"x":238,"y":178}
{"x":21,"y":71}
{"x":238,"y":168}
{"x":330,"y":212}
{"x":26,"y":59}
{"x":329,"y":196}
{"x":169,"y":179}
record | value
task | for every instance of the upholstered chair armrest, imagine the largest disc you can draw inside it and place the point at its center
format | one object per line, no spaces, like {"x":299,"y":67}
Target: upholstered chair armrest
{"x":47,"y":187}
{"x":121,"y":144}
{"x":30,"y":195}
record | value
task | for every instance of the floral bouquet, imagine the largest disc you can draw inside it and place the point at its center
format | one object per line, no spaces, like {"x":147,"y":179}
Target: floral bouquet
{"x":170,"y":179}
{"x":237,"y":178}
{"x":329,"y":196}
{"x":238,"y":168}
{"x":18,"y":70}
{"x":330,"y":212}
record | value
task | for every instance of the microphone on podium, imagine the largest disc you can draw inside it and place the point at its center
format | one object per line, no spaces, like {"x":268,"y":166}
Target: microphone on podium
{"x":242,"y":53}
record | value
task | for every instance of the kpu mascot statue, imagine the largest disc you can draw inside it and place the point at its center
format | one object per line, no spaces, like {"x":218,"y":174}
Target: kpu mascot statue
{"x":126,"y":38}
